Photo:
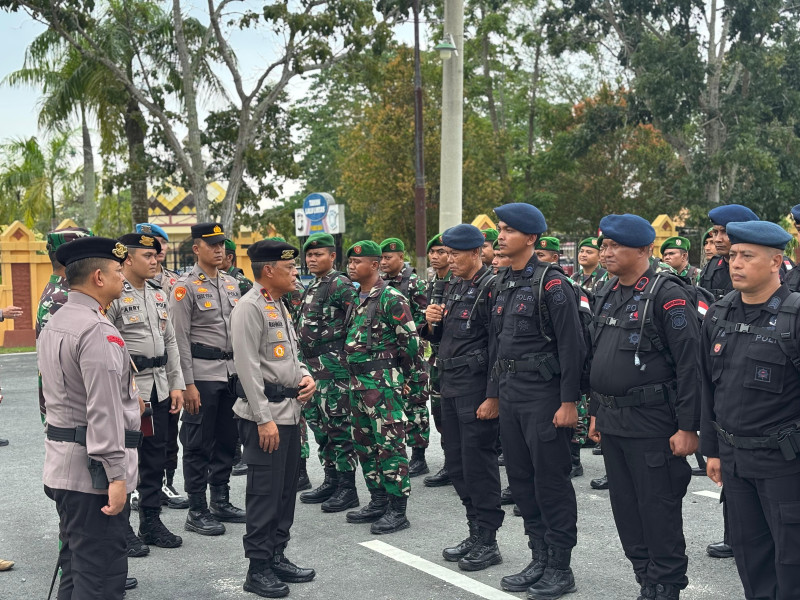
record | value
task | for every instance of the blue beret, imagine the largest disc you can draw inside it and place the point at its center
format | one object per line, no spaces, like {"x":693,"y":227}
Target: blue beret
{"x":796,"y":213}
{"x":628,"y":230}
{"x":151,"y":229}
{"x":722,"y":215}
{"x":761,"y":233}
{"x":522,"y":217}
{"x":463,"y":237}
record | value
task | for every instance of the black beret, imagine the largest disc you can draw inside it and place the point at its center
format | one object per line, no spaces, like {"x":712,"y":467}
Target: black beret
{"x":210,"y":232}
{"x":269,"y":250}
{"x":463,"y":237}
{"x":761,"y":233}
{"x":141,"y":240}
{"x":91,"y":247}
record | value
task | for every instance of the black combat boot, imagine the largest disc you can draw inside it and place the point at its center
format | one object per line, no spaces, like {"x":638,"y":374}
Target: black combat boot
{"x":667,"y":592}
{"x":459,"y":551}
{"x":262,"y":581}
{"x":169,"y":495}
{"x":136,"y":547}
{"x":239,"y":466}
{"x":131,"y":583}
{"x":394,"y":519}
{"x":577,"y":467}
{"x":373,"y":511}
{"x":601,"y":483}
{"x":303,"y":482}
{"x":417,"y":465}
{"x":199,"y":519}
{"x":289,"y":572}
{"x":484,"y":553}
{"x":324,"y":491}
{"x":647,"y":590}
{"x":440,"y":479}
{"x":505,"y":496}
{"x":153,"y":531}
{"x":221,"y":506}
{"x":530,"y":574}
{"x":557,"y":579}
{"x":345,"y":495}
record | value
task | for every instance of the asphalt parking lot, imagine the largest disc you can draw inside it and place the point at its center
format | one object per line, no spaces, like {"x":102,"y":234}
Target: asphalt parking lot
{"x":351,"y":564}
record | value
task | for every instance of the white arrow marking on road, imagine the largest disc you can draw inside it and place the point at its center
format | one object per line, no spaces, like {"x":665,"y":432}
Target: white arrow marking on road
{"x":707,"y":494}
{"x":457,"y":579}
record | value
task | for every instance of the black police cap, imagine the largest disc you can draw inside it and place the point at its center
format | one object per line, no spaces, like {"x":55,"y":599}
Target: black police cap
{"x":141,"y":240}
{"x":269,"y":250}
{"x":210,"y":232}
{"x":91,"y":247}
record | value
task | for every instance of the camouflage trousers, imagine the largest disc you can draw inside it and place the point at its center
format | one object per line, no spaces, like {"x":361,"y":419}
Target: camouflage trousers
{"x":305,"y":450}
{"x":581,"y":432}
{"x":379,"y":432}
{"x":328,"y":415}
{"x":418,"y":429}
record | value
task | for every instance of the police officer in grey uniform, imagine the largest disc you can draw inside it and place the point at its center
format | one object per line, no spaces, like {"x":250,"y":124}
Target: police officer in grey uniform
{"x":200,"y":306}
{"x":93,"y":420}
{"x":273,"y":383}
{"x":142,"y":318}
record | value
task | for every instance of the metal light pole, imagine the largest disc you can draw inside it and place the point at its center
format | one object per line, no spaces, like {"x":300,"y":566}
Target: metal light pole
{"x":452,"y":119}
{"x":420,"y":221}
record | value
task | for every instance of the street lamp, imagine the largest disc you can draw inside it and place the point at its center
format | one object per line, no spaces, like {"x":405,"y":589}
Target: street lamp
{"x":446,"y":48}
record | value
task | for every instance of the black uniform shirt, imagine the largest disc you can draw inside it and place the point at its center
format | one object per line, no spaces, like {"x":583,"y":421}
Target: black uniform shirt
{"x":515,"y":323}
{"x":614,"y":371}
{"x":749,"y":387}
{"x":465,"y":328}
{"x":716,"y":277}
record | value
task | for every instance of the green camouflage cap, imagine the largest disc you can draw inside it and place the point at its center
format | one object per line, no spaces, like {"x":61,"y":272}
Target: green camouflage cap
{"x":549,"y":243}
{"x":393,"y":245}
{"x":490,"y":235}
{"x":59,"y":237}
{"x":364,"y":248}
{"x":319,"y":240}
{"x":435,"y":241}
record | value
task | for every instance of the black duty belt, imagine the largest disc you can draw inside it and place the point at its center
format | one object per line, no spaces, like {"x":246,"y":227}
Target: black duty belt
{"x":646,"y":395}
{"x":315,"y":351}
{"x":209,"y":352}
{"x":546,"y":364}
{"x":78,"y":435}
{"x":476,"y":360}
{"x":373,"y":365}
{"x":274,"y":392}
{"x":787,"y":440}
{"x":145,"y":362}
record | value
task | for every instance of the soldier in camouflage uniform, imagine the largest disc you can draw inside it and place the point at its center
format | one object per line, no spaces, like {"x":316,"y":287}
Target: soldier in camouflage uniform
{"x":382,"y":348}
{"x":229,"y":266}
{"x":675,"y":254}
{"x":489,"y":246}
{"x":403,"y":279}
{"x":321,"y":332}
{"x":54,"y":295}
{"x":438,"y":256}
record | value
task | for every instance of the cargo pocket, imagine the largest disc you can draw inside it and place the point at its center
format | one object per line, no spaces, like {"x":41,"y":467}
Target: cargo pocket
{"x":466,"y":413}
{"x":191,"y":434}
{"x":547,"y":431}
{"x":789,"y":533}
{"x":259,"y":480}
{"x":659,"y":476}
{"x":765,"y":367}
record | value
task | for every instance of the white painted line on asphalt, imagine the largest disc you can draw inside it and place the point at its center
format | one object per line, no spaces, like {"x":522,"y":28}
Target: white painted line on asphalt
{"x":707,"y":494}
{"x":18,"y":354}
{"x":457,"y":579}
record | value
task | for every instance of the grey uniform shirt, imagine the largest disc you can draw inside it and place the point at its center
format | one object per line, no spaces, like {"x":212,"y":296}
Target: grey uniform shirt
{"x":142,"y":318}
{"x":200,"y":308}
{"x":265,"y":349}
{"x":166,"y":279}
{"x":87,"y":380}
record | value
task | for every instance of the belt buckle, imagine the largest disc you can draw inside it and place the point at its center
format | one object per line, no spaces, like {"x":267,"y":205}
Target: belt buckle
{"x":742,"y":328}
{"x":511,"y":366}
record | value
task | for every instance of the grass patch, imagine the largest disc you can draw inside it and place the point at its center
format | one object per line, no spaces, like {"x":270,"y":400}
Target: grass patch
{"x":17,"y":350}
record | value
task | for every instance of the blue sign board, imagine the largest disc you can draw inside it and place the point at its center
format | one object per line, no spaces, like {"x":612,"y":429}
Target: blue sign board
{"x":315,"y":207}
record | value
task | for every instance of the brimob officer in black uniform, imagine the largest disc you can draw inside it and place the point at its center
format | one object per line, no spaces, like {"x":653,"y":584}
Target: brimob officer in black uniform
{"x":538,"y":359}
{"x":469,"y":417}
{"x":715,"y":276}
{"x":646,"y":403}
{"x":792,"y":279}
{"x":750,"y":427}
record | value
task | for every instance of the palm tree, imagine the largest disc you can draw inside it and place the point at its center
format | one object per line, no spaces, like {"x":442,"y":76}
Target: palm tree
{"x":35,"y":179}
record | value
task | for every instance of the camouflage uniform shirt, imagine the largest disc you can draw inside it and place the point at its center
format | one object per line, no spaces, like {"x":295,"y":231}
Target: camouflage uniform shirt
{"x":53,"y":297}
{"x":245,"y":285}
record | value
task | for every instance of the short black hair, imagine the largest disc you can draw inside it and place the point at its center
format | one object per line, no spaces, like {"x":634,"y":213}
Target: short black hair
{"x":258,"y":267}
{"x":51,"y":254}
{"x":78,"y":271}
